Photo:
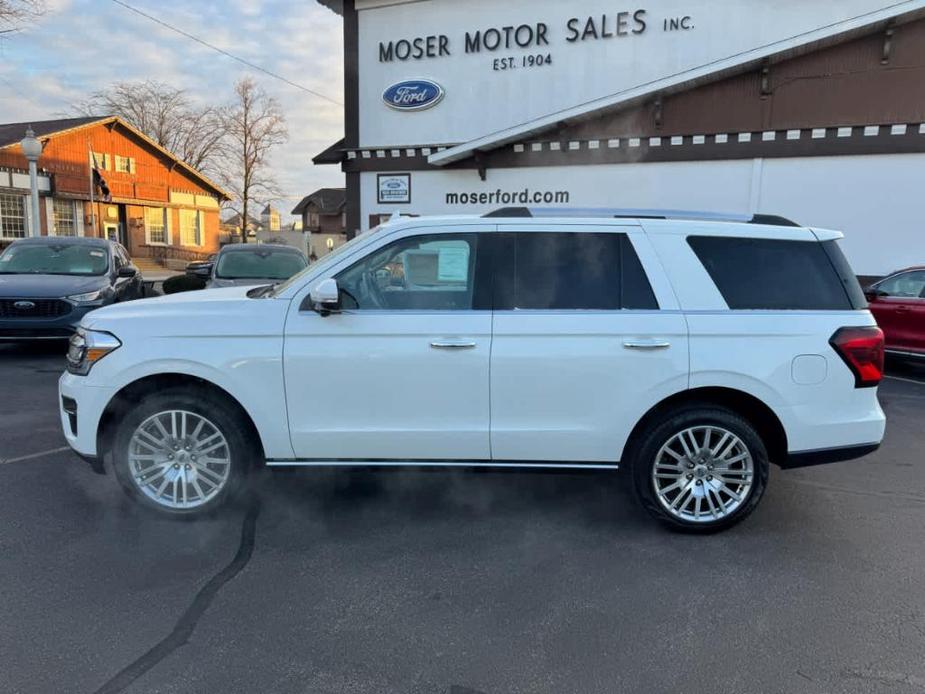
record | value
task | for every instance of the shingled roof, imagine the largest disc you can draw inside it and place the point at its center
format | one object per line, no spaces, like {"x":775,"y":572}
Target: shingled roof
{"x":13,"y":133}
{"x":326,"y":200}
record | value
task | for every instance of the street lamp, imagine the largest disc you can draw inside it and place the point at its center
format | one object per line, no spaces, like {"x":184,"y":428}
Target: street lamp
{"x":32,"y":148}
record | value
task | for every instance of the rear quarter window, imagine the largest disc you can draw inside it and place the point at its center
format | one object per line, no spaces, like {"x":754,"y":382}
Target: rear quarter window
{"x":773,"y":274}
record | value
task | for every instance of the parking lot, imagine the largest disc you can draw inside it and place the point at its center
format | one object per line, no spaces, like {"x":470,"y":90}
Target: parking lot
{"x":459,"y":583}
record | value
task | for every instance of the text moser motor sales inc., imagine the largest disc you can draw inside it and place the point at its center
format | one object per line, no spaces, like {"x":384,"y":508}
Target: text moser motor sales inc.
{"x":535,"y":35}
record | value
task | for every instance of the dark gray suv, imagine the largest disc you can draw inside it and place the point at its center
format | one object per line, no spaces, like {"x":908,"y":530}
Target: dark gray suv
{"x":48,"y":284}
{"x":241,"y":265}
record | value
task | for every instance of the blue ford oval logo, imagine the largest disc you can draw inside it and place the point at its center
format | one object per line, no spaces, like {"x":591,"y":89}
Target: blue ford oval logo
{"x":413,"y":95}
{"x":24,"y":305}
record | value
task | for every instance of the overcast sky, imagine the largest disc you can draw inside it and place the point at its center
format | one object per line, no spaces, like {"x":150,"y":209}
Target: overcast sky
{"x":82,"y":46}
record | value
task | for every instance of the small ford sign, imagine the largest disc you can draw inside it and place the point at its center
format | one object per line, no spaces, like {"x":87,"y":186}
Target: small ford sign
{"x":413,"y":95}
{"x":24,"y":305}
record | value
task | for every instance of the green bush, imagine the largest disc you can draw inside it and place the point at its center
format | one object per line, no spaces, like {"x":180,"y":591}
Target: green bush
{"x":183,"y":283}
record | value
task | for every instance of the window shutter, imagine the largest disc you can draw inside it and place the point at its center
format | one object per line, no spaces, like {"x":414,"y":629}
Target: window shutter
{"x":169,"y":213}
{"x":49,"y":217}
{"x":79,"y":212}
{"x":27,"y":214}
{"x":202,"y":228}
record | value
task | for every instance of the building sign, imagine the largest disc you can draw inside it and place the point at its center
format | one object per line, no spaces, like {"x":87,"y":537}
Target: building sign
{"x":394,"y":189}
{"x":413,"y":95}
{"x":531,"y":36}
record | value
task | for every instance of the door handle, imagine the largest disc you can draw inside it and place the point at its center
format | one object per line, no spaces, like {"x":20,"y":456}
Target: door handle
{"x":646,"y":344}
{"x":451,"y":344}
{"x":902,"y":309}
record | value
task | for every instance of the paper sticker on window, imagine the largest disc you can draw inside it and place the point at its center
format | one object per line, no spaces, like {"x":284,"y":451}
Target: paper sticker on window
{"x":453,"y":264}
{"x":97,"y":254}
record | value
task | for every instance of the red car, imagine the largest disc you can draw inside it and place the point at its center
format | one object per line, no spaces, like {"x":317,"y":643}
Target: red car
{"x":898,"y":304}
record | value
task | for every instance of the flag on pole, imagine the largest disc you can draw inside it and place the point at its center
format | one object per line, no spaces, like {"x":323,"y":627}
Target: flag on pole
{"x":98,"y":181}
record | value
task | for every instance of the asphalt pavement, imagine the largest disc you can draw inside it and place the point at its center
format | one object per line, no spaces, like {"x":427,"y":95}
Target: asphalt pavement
{"x":458,"y":583}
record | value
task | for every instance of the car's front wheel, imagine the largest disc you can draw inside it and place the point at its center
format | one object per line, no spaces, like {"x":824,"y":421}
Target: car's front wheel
{"x":700,"y":469}
{"x":182,"y":452}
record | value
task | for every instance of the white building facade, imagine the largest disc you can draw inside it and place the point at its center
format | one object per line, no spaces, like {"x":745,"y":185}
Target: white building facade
{"x":811,"y":110}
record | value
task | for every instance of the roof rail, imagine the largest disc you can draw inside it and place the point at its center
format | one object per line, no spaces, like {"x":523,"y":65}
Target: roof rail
{"x":521,"y":212}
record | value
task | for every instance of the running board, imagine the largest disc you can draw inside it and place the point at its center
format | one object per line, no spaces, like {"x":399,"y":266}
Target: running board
{"x":442,"y":463}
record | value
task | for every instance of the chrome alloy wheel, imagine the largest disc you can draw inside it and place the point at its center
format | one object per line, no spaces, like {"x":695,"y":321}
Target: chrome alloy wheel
{"x":179,"y":459}
{"x":703,"y":474}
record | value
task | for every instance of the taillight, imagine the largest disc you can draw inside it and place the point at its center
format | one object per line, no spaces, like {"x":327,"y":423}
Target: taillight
{"x":862,"y":350}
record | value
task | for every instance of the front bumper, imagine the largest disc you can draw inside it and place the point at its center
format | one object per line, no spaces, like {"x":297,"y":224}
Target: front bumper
{"x":60,"y":328}
{"x":81,"y":410}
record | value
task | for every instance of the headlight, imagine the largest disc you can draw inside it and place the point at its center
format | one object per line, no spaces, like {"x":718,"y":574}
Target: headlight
{"x":89,"y":297}
{"x":87,"y":347}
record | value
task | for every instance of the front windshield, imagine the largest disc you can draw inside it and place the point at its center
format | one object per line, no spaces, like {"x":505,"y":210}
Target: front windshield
{"x":329,"y":259}
{"x":259,"y":264}
{"x":54,"y":259}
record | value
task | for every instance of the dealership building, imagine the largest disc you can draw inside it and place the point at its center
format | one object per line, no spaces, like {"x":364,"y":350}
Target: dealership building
{"x":813,"y":110}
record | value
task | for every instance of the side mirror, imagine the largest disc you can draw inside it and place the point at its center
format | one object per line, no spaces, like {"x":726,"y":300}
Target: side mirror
{"x":874,"y":293}
{"x":203,"y":271}
{"x":127,"y":271}
{"x":325,"y":297}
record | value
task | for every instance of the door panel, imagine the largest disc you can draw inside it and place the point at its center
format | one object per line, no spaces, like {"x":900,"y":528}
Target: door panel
{"x":402,"y":373}
{"x":580,"y":349}
{"x":372,"y":386}
{"x":900,"y":312}
{"x":885,"y":312}
{"x":566,"y":387}
{"x":917,"y":325}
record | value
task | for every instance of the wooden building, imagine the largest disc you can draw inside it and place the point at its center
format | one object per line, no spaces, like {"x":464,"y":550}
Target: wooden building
{"x":158,"y":206}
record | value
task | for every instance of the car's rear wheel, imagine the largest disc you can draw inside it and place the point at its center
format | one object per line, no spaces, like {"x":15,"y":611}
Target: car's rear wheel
{"x":700,"y":469}
{"x":182,"y":452}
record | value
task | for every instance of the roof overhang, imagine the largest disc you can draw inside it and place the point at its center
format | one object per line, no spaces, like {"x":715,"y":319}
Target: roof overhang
{"x":334,"y":5}
{"x":332,"y":155}
{"x":898,"y":12}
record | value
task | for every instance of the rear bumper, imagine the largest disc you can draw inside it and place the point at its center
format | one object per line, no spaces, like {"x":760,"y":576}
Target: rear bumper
{"x":824,"y":456}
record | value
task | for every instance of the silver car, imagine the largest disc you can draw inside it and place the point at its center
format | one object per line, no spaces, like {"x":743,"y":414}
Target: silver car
{"x":242,"y":265}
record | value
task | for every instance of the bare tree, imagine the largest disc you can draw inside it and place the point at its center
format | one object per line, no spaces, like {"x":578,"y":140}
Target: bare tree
{"x":16,"y":13}
{"x":166,"y":115}
{"x":254,"y":124}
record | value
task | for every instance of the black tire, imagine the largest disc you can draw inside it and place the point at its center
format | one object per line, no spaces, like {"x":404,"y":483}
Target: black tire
{"x":646,"y":447}
{"x":243,"y":453}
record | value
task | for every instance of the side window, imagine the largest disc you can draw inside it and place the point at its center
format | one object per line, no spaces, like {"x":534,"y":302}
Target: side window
{"x":772,"y":274}
{"x":906,"y":285}
{"x":578,"y":271}
{"x":436,"y":272}
{"x":117,"y":259}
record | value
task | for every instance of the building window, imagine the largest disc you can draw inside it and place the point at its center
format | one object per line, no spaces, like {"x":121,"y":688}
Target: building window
{"x":156,"y":225}
{"x":313,"y":220}
{"x":12,"y":216}
{"x":65,"y":219}
{"x":125,"y":164}
{"x":102,"y":161}
{"x":190,"y":233}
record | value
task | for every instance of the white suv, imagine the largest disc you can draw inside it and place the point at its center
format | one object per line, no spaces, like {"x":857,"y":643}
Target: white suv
{"x":693,"y":351}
